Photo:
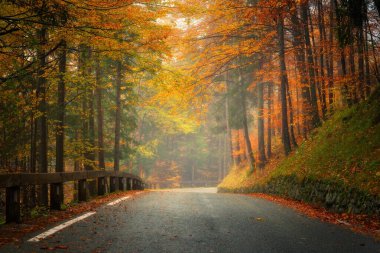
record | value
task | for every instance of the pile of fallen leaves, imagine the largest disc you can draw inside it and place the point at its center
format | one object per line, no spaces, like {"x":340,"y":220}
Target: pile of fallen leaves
{"x":14,"y":232}
{"x":369,"y":225}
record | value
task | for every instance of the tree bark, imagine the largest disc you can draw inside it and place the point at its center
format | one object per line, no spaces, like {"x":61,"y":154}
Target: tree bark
{"x":100,"y":117}
{"x":284,"y":81}
{"x":269,"y":124}
{"x":117,"y":116}
{"x":251,"y":159}
{"x":330,"y":70}
{"x":260,"y":124}
{"x":42,"y":107}
{"x":299,"y":46}
{"x":310,"y":62}
{"x":322,"y":41}
{"x":60,"y":132}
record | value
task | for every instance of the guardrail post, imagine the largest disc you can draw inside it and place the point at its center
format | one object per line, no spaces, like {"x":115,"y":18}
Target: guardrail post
{"x":132,"y":184}
{"x":122,"y":186}
{"x":82,"y":190}
{"x":56,"y":196}
{"x":113,"y":184}
{"x":101,"y":186}
{"x":12,"y":204}
{"x":129,"y":184}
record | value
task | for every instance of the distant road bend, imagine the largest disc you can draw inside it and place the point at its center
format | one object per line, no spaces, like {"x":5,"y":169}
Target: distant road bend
{"x":194,"y":220}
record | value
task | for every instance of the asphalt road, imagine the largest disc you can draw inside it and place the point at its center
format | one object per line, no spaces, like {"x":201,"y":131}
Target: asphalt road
{"x":198,"y":220}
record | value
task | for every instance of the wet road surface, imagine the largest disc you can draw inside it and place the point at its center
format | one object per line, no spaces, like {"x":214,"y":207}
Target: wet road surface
{"x":195,"y":220}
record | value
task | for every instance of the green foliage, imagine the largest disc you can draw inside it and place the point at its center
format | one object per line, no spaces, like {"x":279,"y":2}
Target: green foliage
{"x":39,"y":211}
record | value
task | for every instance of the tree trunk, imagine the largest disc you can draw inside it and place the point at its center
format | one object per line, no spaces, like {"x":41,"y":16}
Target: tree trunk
{"x":251,"y":159}
{"x":330,"y":70}
{"x":117,"y":117}
{"x":60,"y":131}
{"x":229,"y":134}
{"x":315,"y":66}
{"x":260,"y":124}
{"x":310,"y":62}
{"x":269,"y":124}
{"x":284,"y":81}
{"x":353,"y":86}
{"x":42,"y":107}
{"x":237,"y":157}
{"x":291,"y":117}
{"x":301,"y":66}
{"x":99,"y":109}
{"x":322,"y":41}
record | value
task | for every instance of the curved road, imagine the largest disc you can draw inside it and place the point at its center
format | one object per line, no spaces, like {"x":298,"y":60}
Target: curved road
{"x":197,"y":220}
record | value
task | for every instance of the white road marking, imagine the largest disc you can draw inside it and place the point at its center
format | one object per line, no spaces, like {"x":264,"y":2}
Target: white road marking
{"x":60,"y":227}
{"x":117,"y":201}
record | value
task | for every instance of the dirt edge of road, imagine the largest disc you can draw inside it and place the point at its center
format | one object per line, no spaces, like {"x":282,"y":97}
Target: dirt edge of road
{"x":364,"y":224}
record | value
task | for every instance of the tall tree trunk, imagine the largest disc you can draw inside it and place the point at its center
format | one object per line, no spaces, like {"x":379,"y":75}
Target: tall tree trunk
{"x":269,"y":124}
{"x":251,"y":159}
{"x":374,"y":52}
{"x":291,"y":117}
{"x":310,"y":62}
{"x":367,"y":65}
{"x":330,"y":69}
{"x":60,"y":132}
{"x":42,"y":107}
{"x":298,"y":44}
{"x":360,"y":45}
{"x":322,"y":41}
{"x":229,"y":133}
{"x":220,"y":158}
{"x":353,"y":86}
{"x":237,"y":157}
{"x":100,"y":118}
{"x":117,"y":116}
{"x":284,"y":81}
{"x":315,"y":66}
{"x":345,"y":92}
{"x":260,"y":125}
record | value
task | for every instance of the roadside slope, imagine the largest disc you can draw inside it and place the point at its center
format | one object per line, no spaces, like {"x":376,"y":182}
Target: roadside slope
{"x":338,"y":167}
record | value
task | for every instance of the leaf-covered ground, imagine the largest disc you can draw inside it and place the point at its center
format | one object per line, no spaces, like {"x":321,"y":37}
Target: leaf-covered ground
{"x":359,"y":223}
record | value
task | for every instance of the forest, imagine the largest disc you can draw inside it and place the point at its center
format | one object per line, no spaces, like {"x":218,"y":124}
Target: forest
{"x":180,"y":91}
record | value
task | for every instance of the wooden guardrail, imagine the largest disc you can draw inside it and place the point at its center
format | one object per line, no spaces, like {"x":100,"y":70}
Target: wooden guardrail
{"x":12,"y":182}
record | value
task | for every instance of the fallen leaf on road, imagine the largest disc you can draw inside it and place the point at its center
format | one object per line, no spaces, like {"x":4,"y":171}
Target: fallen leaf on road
{"x":61,"y":247}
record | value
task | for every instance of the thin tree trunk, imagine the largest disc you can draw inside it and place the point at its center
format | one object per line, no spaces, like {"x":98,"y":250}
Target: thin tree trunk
{"x":301,"y":66}
{"x":99,"y":109}
{"x":367,"y":70}
{"x":291,"y":117}
{"x":284,"y":81}
{"x":260,"y":125}
{"x":315,"y":66}
{"x":330,"y":69}
{"x":269,"y":124}
{"x":42,"y":107}
{"x":229,"y":134}
{"x":251,"y":159}
{"x":237,"y":157}
{"x":322,"y":41}
{"x":310,"y":62}
{"x":117,"y":116}
{"x":60,"y":132}
{"x":353,"y":86}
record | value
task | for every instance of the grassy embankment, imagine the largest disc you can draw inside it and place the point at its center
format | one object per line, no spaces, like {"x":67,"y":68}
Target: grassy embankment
{"x":338,"y":166}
